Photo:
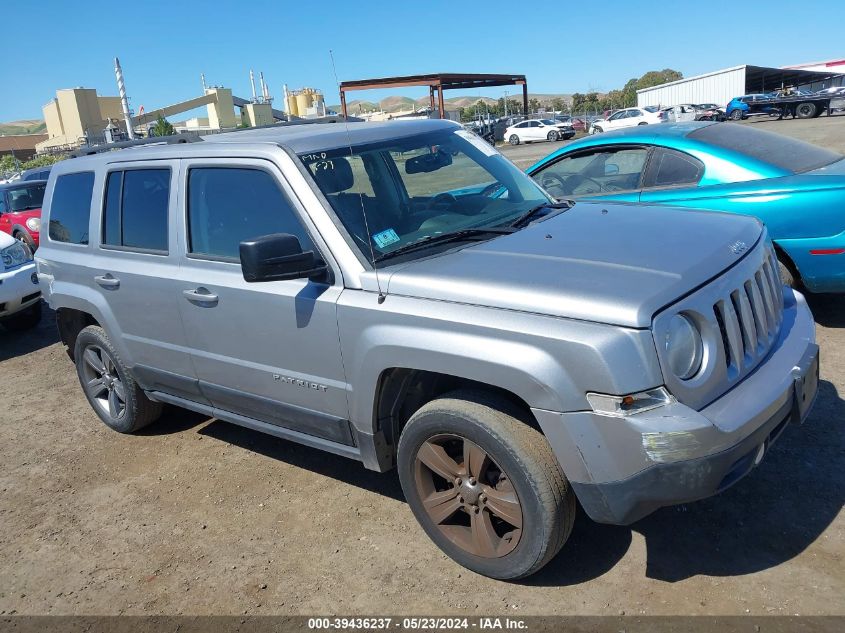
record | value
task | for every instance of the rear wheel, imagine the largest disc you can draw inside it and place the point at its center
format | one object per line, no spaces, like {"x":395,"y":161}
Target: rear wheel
{"x":643,"y":123}
{"x":736,"y":115}
{"x":805,"y":110}
{"x":787,"y":276}
{"x":553,"y":136}
{"x":596,"y":130}
{"x":111,"y":390}
{"x":484,"y":485}
{"x":514,"y":139}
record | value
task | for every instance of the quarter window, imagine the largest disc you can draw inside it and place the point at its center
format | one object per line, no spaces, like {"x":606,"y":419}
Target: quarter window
{"x":229,"y":205}
{"x":70,"y":208}
{"x":135,"y":214}
{"x":673,"y":168}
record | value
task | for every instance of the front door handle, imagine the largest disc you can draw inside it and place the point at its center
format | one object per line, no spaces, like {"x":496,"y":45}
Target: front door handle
{"x":201,"y":296}
{"x":107,"y":281}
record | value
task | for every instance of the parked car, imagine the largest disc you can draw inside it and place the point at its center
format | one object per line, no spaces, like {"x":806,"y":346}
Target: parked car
{"x":796,"y":188}
{"x":538,"y":130}
{"x":507,"y":354}
{"x":680,"y":113}
{"x":738,"y":107}
{"x":709,"y":112}
{"x":37,"y":173}
{"x":20,"y":210}
{"x":629,"y":117}
{"x":20,"y":299}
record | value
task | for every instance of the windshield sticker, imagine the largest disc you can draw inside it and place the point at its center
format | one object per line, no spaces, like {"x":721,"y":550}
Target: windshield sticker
{"x":385,"y":238}
{"x":479,"y":143}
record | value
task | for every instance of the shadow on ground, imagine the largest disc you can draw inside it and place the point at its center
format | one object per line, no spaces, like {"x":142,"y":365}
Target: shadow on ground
{"x":13,"y":344}
{"x":828,"y":310}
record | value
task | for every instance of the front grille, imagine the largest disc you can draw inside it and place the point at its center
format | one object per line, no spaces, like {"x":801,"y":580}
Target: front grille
{"x":749,"y":318}
{"x":34,"y":295}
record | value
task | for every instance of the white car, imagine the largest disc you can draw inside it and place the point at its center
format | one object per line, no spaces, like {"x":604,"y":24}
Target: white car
{"x":538,"y":130}
{"x":20,"y":298}
{"x":629,"y":117}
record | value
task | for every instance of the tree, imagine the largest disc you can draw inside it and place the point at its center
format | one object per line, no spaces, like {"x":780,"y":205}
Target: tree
{"x":44,"y":160}
{"x":162,"y":127}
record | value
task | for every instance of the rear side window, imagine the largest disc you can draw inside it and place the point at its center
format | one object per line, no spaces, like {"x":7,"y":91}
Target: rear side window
{"x":229,"y":205}
{"x":775,"y":149}
{"x":70,"y":208}
{"x":668,"y":168}
{"x":135,"y":213}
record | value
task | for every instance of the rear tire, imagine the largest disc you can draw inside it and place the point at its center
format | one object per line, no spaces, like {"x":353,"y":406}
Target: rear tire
{"x":502,"y":506}
{"x":788,"y":277}
{"x":596,"y":130}
{"x":805,"y":110}
{"x":111,"y":390}
{"x":24,"y":320}
{"x":514,"y":139}
{"x":642,"y":123}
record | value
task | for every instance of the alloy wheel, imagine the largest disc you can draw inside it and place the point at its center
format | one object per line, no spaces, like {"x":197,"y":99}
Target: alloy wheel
{"x":467,"y":496}
{"x":102,"y":381}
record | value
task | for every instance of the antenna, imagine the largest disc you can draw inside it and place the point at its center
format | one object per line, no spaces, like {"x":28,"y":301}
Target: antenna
{"x":381,"y":295}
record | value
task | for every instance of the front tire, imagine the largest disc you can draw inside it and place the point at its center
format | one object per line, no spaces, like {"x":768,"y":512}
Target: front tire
{"x":484,"y":485}
{"x":514,"y":139}
{"x":26,"y":239}
{"x":787,"y":276}
{"x":736,"y":115}
{"x":553,"y":136}
{"x":596,"y":130}
{"x":111,"y":390}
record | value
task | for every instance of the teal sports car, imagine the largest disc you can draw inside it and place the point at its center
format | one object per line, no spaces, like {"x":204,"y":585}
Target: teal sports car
{"x":795,"y":188}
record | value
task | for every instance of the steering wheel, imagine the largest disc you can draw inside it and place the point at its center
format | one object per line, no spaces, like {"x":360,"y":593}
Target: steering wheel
{"x":442,"y":199}
{"x":550,"y":179}
{"x":579,"y":181}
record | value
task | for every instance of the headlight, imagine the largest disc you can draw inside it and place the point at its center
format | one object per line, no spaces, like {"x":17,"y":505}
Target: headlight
{"x":684,"y":349}
{"x":621,"y":406}
{"x":34,"y":224}
{"x":15,"y":255}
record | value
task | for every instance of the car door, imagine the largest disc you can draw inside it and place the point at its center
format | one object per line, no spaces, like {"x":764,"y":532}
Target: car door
{"x":134,"y":271}
{"x":268,"y":351}
{"x":617,"y":120}
{"x":606,"y":172}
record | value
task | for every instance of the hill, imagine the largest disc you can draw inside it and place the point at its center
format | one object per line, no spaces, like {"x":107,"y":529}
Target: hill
{"x":396,"y":103}
{"x":28,"y":126}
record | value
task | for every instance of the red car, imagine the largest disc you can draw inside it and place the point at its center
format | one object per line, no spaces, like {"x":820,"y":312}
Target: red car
{"x":20,"y":210}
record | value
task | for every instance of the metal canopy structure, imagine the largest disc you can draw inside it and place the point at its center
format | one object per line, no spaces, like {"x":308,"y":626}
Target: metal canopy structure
{"x":437,"y":82}
{"x":764,"y":79}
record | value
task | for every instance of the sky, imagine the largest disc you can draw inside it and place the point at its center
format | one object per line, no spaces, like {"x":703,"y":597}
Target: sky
{"x":561,"y":47}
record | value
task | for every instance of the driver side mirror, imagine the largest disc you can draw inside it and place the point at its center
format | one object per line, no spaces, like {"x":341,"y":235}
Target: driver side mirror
{"x":278,"y":257}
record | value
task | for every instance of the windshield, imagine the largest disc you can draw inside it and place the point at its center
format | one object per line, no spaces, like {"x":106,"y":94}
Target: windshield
{"x":397,"y":192}
{"x":23,"y":198}
{"x":651,"y":109}
{"x":548,"y":122}
{"x":775,"y":149}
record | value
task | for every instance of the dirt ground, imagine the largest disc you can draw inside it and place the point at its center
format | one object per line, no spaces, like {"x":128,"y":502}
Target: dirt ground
{"x":195,"y":516}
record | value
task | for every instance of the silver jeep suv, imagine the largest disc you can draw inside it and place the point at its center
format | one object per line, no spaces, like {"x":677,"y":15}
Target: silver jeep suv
{"x":402,"y":295}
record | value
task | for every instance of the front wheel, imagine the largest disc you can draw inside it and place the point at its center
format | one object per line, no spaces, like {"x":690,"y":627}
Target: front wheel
{"x":26,"y":239}
{"x":596,"y":130}
{"x":484,"y":485}
{"x":787,"y":276}
{"x":553,"y":136}
{"x":736,"y":115}
{"x":514,"y":139}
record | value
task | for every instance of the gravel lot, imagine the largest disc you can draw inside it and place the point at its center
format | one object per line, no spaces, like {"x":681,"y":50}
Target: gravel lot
{"x":198,"y":517}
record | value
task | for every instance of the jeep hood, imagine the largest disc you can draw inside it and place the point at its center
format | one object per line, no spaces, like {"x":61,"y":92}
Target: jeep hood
{"x":611,"y":263}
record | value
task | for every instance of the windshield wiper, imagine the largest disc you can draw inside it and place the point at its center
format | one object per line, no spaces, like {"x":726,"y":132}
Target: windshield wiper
{"x":533,"y":212}
{"x":444,"y":238}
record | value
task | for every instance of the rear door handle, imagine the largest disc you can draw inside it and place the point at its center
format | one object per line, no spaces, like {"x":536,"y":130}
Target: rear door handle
{"x":201,"y":295}
{"x":108,"y":281}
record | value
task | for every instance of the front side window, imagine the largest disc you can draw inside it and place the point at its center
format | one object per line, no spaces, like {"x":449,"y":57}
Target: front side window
{"x":135,"y":214}
{"x":594,"y":173}
{"x":423,"y":185}
{"x":26,"y":198}
{"x":619,"y":115}
{"x":70,"y":208}
{"x":229,"y":205}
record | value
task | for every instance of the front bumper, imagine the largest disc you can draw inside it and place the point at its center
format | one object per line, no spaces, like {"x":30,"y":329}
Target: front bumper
{"x":622,"y":469}
{"x":17,"y":289}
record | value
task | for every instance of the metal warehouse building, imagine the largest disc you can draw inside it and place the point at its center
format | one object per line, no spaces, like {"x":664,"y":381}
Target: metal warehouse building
{"x":721,"y":86}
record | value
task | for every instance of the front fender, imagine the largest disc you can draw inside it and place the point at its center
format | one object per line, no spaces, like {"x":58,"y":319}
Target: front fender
{"x":548,"y":362}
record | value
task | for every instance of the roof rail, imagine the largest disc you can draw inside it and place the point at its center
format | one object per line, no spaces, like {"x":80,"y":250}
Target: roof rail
{"x":331,"y":118}
{"x":190,"y":137}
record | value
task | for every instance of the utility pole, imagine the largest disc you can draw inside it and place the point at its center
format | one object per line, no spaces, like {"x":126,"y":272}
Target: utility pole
{"x":124,"y":102}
